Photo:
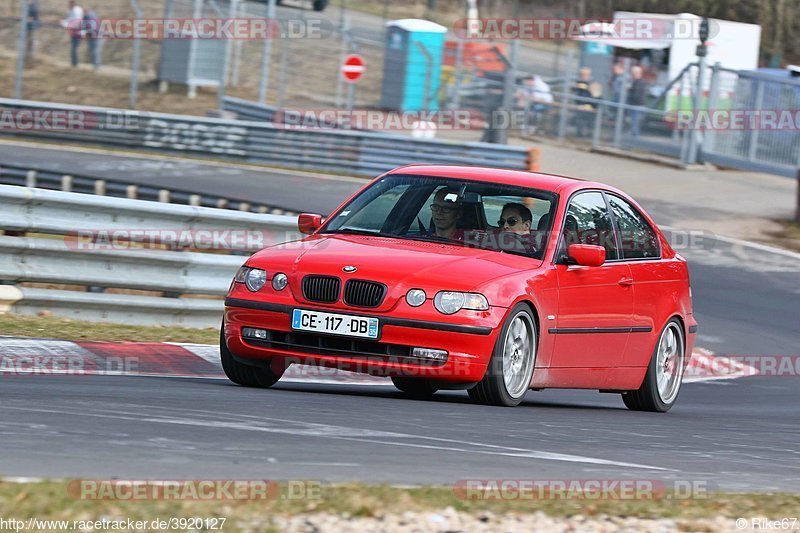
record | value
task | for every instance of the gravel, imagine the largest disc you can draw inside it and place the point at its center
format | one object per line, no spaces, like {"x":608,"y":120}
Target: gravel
{"x":451,"y":521}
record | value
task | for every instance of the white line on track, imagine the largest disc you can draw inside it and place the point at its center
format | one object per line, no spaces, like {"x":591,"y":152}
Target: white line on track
{"x":311,"y":429}
{"x":748,"y":244}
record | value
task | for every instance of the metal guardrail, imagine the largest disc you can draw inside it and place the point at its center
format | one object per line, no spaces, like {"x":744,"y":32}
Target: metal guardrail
{"x":72,"y":256}
{"x":28,"y":176}
{"x":349,"y":152}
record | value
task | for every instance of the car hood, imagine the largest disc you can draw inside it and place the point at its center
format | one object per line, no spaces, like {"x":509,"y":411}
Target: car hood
{"x":398,"y":263}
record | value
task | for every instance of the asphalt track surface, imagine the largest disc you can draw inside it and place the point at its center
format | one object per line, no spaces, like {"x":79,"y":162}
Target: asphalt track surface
{"x":738,"y":434}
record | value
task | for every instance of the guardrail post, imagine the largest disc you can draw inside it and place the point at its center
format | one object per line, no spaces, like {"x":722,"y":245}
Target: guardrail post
{"x":66,"y":183}
{"x":195,"y":199}
{"x":30,"y":178}
{"x":100,"y":187}
{"x":164,"y":196}
{"x":752,"y":147}
{"x":132,"y":192}
{"x":713,"y":96}
{"x":244,"y":206}
{"x":797,"y":210}
{"x":534,"y":155}
{"x":222,"y":203}
{"x":565,"y":96}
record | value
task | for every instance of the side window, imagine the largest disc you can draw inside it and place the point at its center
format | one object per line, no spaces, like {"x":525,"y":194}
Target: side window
{"x":588,"y":222}
{"x":638,"y":238}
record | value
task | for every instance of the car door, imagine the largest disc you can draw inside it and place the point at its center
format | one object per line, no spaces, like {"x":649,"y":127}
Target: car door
{"x":654,"y":280}
{"x":595,"y":304}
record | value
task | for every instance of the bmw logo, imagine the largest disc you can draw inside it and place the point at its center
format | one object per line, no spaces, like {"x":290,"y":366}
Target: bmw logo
{"x":349,"y":268}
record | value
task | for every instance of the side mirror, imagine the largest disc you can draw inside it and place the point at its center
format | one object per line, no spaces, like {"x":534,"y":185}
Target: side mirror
{"x":587,"y":254}
{"x":309,"y":223}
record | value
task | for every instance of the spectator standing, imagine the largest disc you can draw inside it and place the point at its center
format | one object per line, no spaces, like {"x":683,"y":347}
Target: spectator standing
{"x":32,"y":25}
{"x":616,"y":81}
{"x":583,"y":88}
{"x":91,"y":25}
{"x":73,"y":24}
{"x":636,"y":96}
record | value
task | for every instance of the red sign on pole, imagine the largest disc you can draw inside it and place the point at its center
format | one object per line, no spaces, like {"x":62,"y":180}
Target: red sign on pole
{"x":353,"y":67}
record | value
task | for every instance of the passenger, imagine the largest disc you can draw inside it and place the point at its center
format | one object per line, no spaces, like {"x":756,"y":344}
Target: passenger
{"x":446,"y":210}
{"x":517,"y":218}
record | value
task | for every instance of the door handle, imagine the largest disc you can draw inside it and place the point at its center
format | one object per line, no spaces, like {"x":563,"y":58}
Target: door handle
{"x":626,"y":282}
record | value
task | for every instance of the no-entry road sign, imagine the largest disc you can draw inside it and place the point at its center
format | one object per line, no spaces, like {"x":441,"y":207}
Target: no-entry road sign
{"x":353,"y":68}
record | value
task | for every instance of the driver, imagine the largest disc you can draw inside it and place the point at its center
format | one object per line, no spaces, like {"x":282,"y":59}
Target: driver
{"x":446,"y":210}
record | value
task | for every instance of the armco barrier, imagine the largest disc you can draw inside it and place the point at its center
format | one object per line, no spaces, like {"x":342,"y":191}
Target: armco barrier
{"x":191,"y":283}
{"x":30,"y":176}
{"x":346,"y":151}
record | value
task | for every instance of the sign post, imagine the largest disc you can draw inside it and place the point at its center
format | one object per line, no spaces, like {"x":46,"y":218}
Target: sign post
{"x":352,"y":69}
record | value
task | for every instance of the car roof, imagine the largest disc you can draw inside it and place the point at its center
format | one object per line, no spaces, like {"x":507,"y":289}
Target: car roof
{"x":536,"y":180}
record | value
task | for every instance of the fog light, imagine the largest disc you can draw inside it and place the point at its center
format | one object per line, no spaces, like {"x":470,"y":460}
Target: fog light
{"x":279,"y":281}
{"x":430,"y":354}
{"x":254,"y":333}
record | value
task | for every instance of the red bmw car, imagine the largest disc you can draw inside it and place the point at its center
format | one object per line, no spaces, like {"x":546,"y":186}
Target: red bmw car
{"x":493,"y":281}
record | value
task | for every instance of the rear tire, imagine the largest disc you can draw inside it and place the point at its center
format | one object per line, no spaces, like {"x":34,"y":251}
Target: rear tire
{"x":662,"y":383}
{"x":242,"y":374}
{"x":415,"y":387}
{"x":510,"y":369}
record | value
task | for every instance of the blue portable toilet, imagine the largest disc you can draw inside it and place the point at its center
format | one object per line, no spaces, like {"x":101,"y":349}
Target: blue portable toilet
{"x":410,"y":76}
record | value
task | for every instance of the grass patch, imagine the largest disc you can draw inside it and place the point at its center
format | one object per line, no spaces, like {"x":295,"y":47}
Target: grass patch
{"x":50,"y":500}
{"x":53,"y":327}
{"x":788,"y":236}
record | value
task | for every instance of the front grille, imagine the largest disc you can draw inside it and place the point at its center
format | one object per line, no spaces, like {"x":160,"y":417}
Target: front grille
{"x":314,"y":344}
{"x":324,"y":289}
{"x":360,"y":293}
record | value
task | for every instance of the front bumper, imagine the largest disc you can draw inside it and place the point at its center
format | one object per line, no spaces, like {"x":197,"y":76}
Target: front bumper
{"x":469,"y":345}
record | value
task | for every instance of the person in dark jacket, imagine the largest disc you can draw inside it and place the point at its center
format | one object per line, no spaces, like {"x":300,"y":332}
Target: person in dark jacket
{"x":585,"y":112}
{"x":32,"y":25}
{"x":636,"y":96}
{"x":90,"y":28}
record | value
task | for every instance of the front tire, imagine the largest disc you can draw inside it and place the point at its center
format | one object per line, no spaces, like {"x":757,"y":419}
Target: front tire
{"x":242,"y":374}
{"x":662,"y":383}
{"x":510,"y":369}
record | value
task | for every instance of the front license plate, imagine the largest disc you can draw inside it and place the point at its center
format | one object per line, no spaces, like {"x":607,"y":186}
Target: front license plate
{"x":351,"y":326}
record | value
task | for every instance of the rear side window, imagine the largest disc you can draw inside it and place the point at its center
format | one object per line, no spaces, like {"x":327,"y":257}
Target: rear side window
{"x":588,"y":222}
{"x":638,"y":239}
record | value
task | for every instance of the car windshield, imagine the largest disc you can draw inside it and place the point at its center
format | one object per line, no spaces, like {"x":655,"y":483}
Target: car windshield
{"x":484,"y":215}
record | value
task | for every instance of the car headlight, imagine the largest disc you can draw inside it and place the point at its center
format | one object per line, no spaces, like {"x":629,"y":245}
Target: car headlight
{"x":415,"y":297}
{"x":279,"y":281}
{"x":449,"y":302}
{"x":255,"y":279}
